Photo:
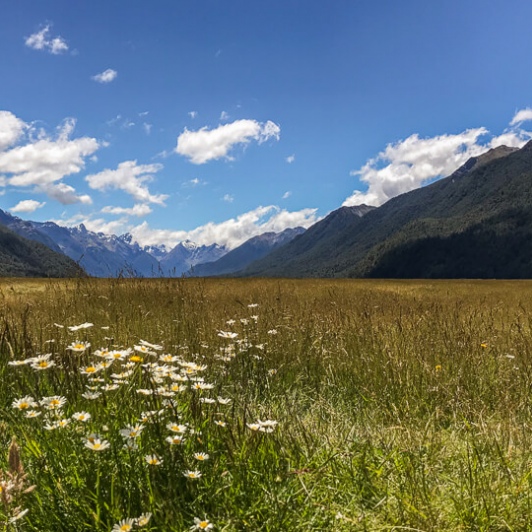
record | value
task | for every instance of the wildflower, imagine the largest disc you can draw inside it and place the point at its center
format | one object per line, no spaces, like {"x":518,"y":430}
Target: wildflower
{"x":143,"y":349}
{"x":192,"y":474}
{"x":484,"y":345}
{"x":207,"y":400}
{"x":220,"y":423}
{"x":153,"y":459}
{"x":223,"y":401}
{"x":33,"y":413}
{"x":79,"y":347}
{"x":136,"y":359}
{"x":253,"y":426}
{"x":101,"y":353}
{"x":20,"y":362}
{"x":438,"y":367}
{"x":145,"y":391}
{"x":201,"y":456}
{"x":202,"y":524}
{"x":110,"y":387}
{"x":124,"y":526}
{"x":42,"y":364}
{"x":168,"y":358}
{"x":267,"y":425}
{"x":82,"y":326}
{"x":244,"y":321}
{"x":150,"y":416}
{"x":81,"y":416}
{"x":24,"y":403}
{"x":144,"y":519}
{"x":132,"y":431}
{"x":177,"y":388}
{"x":228,"y":335}
{"x":200,"y":385}
{"x":55,"y":402}
{"x":273,"y":332}
{"x":152,"y":346}
{"x":91,"y":395}
{"x":91,"y":370}
{"x":175,"y":440}
{"x":174,"y":427}
{"x":96,"y":444}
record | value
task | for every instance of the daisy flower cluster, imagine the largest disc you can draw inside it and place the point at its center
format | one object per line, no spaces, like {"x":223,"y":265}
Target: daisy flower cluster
{"x":142,"y":376}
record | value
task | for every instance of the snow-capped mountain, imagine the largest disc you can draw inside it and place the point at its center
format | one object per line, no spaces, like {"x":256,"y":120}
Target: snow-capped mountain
{"x":187,"y":254}
{"x":102,"y":255}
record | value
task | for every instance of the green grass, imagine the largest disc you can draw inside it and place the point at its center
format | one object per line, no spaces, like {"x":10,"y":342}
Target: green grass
{"x":400,"y":405}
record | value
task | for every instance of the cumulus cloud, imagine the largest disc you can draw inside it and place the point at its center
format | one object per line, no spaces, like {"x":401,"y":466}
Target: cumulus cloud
{"x":210,"y":144}
{"x":523,"y":115}
{"x":106,"y":76}
{"x":413,"y":162}
{"x":97,"y":225}
{"x":11,"y":129}
{"x":43,"y":161}
{"x":139,"y":210}
{"x":27,"y":206}
{"x":229,"y":198}
{"x":64,"y":194}
{"x":290,"y":159}
{"x":42,"y":40}
{"x":232,"y":232}
{"x":131,"y":178}
{"x":287,"y":194}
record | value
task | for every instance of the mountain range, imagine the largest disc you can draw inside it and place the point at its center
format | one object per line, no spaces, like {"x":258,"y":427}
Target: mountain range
{"x":102,"y":255}
{"x":475,"y":223}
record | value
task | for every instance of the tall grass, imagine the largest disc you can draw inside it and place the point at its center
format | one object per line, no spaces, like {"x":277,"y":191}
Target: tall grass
{"x":399,"y":405}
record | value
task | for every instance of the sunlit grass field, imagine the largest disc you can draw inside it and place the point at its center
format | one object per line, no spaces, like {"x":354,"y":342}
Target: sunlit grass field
{"x":265,"y":405}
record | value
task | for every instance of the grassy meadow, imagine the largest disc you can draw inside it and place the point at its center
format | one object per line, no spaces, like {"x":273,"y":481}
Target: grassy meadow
{"x":265,"y":405}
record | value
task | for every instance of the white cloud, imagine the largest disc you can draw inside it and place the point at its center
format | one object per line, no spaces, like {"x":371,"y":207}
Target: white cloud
{"x":229,"y":198}
{"x":412,"y":162}
{"x":130,"y":178}
{"x":27,"y":206}
{"x":224,"y":116}
{"x":42,"y":40}
{"x":11,"y":129}
{"x":139,"y":209}
{"x":193,"y":114}
{"x":106,"y":76}
{"x":45,"y":160}
{"x":64,"y":194}
{"x":287,"y":194}
{"x":193,"y":182}
{"x":522,"y":116}
{"x":290,"y":159}
{"x":209,"y":144}
{"x":97,"y":225}
{"x":232,"y":232}
{"x":147,"y":128}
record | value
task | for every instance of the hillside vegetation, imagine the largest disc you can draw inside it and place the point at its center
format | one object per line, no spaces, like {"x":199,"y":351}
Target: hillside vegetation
{"x":20,"y":257}
{"x":474,"y":223}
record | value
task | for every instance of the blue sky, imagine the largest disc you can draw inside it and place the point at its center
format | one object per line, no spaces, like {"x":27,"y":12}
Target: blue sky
{"x":218,"y":120}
